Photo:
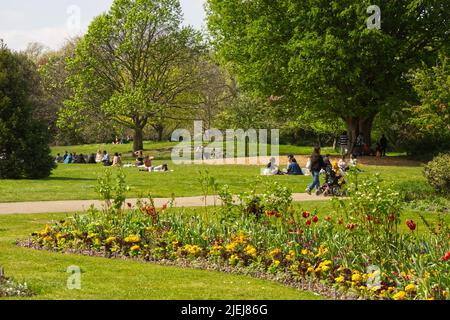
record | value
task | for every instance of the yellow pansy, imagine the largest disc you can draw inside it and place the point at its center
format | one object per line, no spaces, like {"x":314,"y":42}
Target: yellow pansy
{"x":401,"y":295}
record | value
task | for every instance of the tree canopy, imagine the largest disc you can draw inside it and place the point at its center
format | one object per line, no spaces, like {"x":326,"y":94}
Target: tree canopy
{"x":321,"y":56}
{"x":135,"y":63}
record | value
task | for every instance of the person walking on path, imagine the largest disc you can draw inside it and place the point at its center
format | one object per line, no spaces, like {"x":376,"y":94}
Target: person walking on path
{"x":343,"y":143}
{"x":383,"y":145}
{"x":317,"y":164}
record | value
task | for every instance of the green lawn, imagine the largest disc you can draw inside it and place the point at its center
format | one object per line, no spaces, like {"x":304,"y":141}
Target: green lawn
{"x":75,"y":182}
{"x":45,"y":273}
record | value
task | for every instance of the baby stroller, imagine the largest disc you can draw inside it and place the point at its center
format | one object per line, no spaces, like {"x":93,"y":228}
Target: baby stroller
{"x":334,"y":183}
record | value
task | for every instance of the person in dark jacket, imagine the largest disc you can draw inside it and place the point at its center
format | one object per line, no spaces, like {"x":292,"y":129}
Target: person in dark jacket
{"x":293,"y":168}
{"x":91,"y":159}
{"x":383,"y":145}
{"x":317,"y":164}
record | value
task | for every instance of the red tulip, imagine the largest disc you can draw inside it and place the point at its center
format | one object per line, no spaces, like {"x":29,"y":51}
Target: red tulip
{"x":446,"y":256}
{"x":308,"y":222}
{"x":315,"y":219}
{"x":411,"y":225}
{"x":305,"y":214}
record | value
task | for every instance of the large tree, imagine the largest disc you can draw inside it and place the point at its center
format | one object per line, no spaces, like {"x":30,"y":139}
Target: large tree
{"x":24,"y":150}
{"x":136,"y":64}
{"x":321,"y":55}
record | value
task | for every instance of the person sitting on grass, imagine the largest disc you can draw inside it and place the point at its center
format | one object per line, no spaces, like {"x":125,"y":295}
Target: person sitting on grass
{"x":117,"y":160}
{"x":343,"y":164}
{"x":106,"y":159}
{"x":293,"y":168}
{"x":148,"y":165}
{"x":59,"y":158}
{"x":140,"y":158}
{"x":99,"y":156}
{"x":69,"y":159}
{"x":91,"y":159}
{"x":271,"y":168}
{"x":80,"y":159}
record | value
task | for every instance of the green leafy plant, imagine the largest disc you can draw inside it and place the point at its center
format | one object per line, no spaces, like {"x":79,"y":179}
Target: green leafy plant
{"x":437,"y":173}
{"x":113,"y":189}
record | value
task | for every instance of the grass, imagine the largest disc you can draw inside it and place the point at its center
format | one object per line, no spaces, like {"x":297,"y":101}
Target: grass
{"x":45,"y":273}
{"x":78,"y":182}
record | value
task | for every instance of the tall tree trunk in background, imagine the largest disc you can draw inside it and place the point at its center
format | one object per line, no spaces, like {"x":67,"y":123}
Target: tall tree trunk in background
{"x":159,"y":128}
{"x":138,"y":140}
{"x":357,"y":125}
{"x":365,"y":127}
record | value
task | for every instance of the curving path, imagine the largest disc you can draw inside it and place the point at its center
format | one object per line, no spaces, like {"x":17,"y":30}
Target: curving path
{"x":80,"y":205}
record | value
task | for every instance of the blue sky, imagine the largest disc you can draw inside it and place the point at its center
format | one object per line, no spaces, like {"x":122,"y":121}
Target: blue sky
{"x":50,"y":21}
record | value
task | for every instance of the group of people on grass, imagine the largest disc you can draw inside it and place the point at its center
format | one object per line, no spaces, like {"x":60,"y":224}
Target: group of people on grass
{"x":102,"y":156}
{"x":144,"y":163}
{"x":292,"y":168}
{"x":362,"y":148}
{"x":334,"y":171}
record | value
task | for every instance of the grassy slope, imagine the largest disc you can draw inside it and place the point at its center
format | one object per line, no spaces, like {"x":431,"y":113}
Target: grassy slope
{"x":45,"y":273}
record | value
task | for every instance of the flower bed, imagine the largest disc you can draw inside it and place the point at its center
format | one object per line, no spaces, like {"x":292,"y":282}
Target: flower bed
{"x":354,"y":252}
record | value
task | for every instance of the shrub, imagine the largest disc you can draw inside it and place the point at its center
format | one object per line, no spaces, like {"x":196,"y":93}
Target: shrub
{"x":24,"y":150}
{"x":437,"y":173}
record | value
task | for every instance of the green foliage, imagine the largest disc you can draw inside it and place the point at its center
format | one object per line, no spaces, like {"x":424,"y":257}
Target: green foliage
{"x":134,"y":63}
{"x":110,"y":188}
{"x":437,"y":173}
{"x":374,"y":212}
{"x":320,"y":55}
{"x":24,"y":150}
{"x":433,"y":88}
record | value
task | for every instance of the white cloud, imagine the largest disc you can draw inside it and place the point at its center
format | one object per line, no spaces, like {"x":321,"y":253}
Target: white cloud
{"x":28,"y":21}
{"x":53,"y":37}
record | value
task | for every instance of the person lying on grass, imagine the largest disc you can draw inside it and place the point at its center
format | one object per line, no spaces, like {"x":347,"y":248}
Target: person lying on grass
{"x":161,"y":168}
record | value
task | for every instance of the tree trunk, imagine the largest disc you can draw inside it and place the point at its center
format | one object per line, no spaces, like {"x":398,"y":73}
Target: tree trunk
{"x":138,"y":141}
{"x":160,"y":132}
{"x":357,"y":125}
{"x":365,"y":127}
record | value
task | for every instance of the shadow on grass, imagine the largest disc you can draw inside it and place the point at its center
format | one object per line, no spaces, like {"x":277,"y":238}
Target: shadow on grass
{"x":68,"y":179}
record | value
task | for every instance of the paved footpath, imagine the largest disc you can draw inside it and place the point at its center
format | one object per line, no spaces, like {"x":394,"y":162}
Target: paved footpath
{"x":80,"y":205}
